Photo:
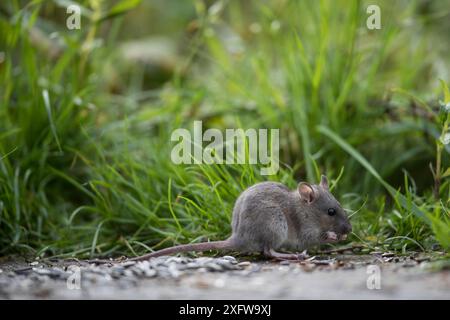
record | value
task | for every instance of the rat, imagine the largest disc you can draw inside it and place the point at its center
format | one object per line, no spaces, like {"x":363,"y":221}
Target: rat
{"x":268,"y":217}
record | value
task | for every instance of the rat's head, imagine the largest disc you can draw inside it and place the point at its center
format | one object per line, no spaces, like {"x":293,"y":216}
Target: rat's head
{"x":325,"y":211}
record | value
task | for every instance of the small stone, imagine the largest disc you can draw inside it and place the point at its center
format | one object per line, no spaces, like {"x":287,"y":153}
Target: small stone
{"x":192,"y":265}
{"x":283,"y":268}
{"x":213,"y":267}
{"x":323,"y":262}
{"x":388,"y":254}
{"x":143,"y":265}
{"x":230,"y":258}
{"x":173,"y":271}
{"x":128,"y":264}
{"x":348,"y":266}
{"x":57,"y":274}
{"x":34,"y":263}
{"x":136,"y":271}
{"x":435,"y":246}
{"x":149,"y":273}
{"x":107,"y":277}
{"x":41,"y":271}
{"x":244,"y":263}
{"x":128,"y":273}
{"x":179,"y":260}
{"x":409,"y":264}
{"x":419,"y":259}
{"x":226,"y":264}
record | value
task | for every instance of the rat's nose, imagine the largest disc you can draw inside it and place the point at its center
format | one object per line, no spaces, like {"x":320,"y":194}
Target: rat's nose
{"x":346,"y":228}
{"x":349,"y":227}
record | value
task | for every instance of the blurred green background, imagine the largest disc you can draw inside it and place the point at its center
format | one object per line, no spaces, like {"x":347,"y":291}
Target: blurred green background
{"x":86,"y":117}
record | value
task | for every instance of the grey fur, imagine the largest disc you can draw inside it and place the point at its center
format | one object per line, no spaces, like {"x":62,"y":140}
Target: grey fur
{"x":270,"y":216}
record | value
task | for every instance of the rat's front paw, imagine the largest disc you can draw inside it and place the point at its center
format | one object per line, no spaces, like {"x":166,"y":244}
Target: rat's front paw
{"x":331,"y":236}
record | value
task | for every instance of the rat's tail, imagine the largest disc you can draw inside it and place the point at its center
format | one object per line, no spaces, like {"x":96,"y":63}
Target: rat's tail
{"x":202,"y":246}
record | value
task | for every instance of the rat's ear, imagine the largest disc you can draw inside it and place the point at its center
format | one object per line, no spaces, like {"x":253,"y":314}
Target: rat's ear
{"x":324,"y":182}
{"x":306,"y":192}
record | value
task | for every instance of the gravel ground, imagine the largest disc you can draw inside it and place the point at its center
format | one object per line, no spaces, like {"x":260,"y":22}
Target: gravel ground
{"x":333,"y":276}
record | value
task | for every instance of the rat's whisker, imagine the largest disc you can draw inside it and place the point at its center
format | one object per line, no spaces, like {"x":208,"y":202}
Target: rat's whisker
{"x":359,"y":209}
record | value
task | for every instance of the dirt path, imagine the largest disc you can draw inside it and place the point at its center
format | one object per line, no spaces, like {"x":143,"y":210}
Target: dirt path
{"x":326,"y":277}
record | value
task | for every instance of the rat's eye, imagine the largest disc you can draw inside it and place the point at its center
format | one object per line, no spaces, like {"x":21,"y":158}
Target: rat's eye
{"x":331,"y":211}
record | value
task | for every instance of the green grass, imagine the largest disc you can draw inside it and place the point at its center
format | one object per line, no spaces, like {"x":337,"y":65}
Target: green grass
{"x":85,"y":164}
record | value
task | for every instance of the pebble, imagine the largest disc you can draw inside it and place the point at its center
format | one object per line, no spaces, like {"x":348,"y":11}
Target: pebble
{"x":137,"y":272}
{"x":409,"y":264}
{"x":324,"y":262}
{"x":21,"y":271}
{"x":128,"y":273}
{"x":131,"y":271}
{"x":230,"y":258}
{"x":150,"y":273}
{"x":191,"y":265}
{"x":388,"y":254}
{"x":228,"y":265}
{"x":419,"y":259}
{"x":348,"y":266}
{"x":202,"y":270}
{"x":128,"y":264}
{"x":173,"y":271}
{"x":178,"y":260}
{"x":143,"y":265}
{"x":213,"y":267}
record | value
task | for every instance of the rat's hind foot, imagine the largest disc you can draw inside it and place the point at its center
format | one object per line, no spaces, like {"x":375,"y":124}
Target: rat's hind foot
{"x":270,"y":253}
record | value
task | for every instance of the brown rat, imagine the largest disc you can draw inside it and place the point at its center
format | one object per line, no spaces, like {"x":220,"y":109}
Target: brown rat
{"x":268,"y":217}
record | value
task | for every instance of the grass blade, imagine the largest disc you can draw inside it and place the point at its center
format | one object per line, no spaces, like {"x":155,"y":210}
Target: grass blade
{"x":403,"y":201}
